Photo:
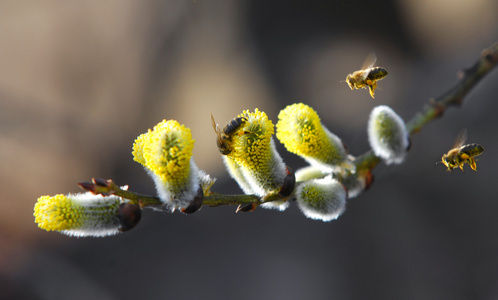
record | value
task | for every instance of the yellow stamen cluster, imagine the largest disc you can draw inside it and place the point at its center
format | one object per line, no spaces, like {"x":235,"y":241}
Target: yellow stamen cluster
{"x":57,"y":213}
{"x":253,"y":161}
{"x":299,"y":129}
{"x":251,"y":143}
{"x":78,"y":214}
{"x":166,"y":151}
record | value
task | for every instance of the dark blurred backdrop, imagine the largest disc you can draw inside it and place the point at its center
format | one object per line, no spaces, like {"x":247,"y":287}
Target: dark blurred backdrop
{"x":79,"y":80}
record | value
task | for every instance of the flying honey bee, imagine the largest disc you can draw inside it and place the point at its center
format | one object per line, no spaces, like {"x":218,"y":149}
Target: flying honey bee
{"x":225,"y":135}
{"x":462,"y":154}
{"x":367,"y":76}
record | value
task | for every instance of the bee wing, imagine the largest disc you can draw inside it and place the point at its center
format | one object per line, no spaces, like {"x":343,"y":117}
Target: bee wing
{"x":460,"y":140}
{"x":369,"y":61}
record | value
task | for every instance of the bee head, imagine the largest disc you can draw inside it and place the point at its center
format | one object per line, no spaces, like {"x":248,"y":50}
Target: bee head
{"x":349,"y":81}
{"x":223,"y":146}
{"x":446,"y":160}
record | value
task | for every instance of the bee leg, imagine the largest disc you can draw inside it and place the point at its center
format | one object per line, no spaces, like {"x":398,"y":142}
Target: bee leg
{"x":372,"y":88}
{"x":371,"y":91}
{"x":472,"y":164}
{"x":457,"y":162}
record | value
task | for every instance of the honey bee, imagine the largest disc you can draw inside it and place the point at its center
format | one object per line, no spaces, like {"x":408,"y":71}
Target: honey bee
{"x":462,"y":154}
{"x":367,"y":76}
{"x":225,"y":135}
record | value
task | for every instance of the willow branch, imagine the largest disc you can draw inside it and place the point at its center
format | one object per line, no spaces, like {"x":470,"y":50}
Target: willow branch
{"x":364,"y":163}
{"x":108,"y":187}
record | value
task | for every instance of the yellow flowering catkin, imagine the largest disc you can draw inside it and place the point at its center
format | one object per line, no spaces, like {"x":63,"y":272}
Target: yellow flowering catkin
{"x":299,"y":129}
{"x":166,"y":153}
{"x":79,"y":214}
{"x":253,"y":161}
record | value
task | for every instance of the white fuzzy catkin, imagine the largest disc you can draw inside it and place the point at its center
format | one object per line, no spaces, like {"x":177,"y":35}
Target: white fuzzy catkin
{"x":177,"y":200}
{"x":322,"y":199}
{"x":99,"y":215}
{"x":388,"y":135}
{"x":309,"y":172}
{"x":278,"y":205}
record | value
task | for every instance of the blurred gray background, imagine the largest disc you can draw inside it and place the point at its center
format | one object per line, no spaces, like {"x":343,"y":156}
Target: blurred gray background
{"x":80,"y":80}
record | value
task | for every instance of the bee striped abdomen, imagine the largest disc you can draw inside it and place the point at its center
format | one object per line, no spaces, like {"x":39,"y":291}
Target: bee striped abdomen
{"x":472,"y":149}
{"x":377,"y":73}
{"x":233,"y":125}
